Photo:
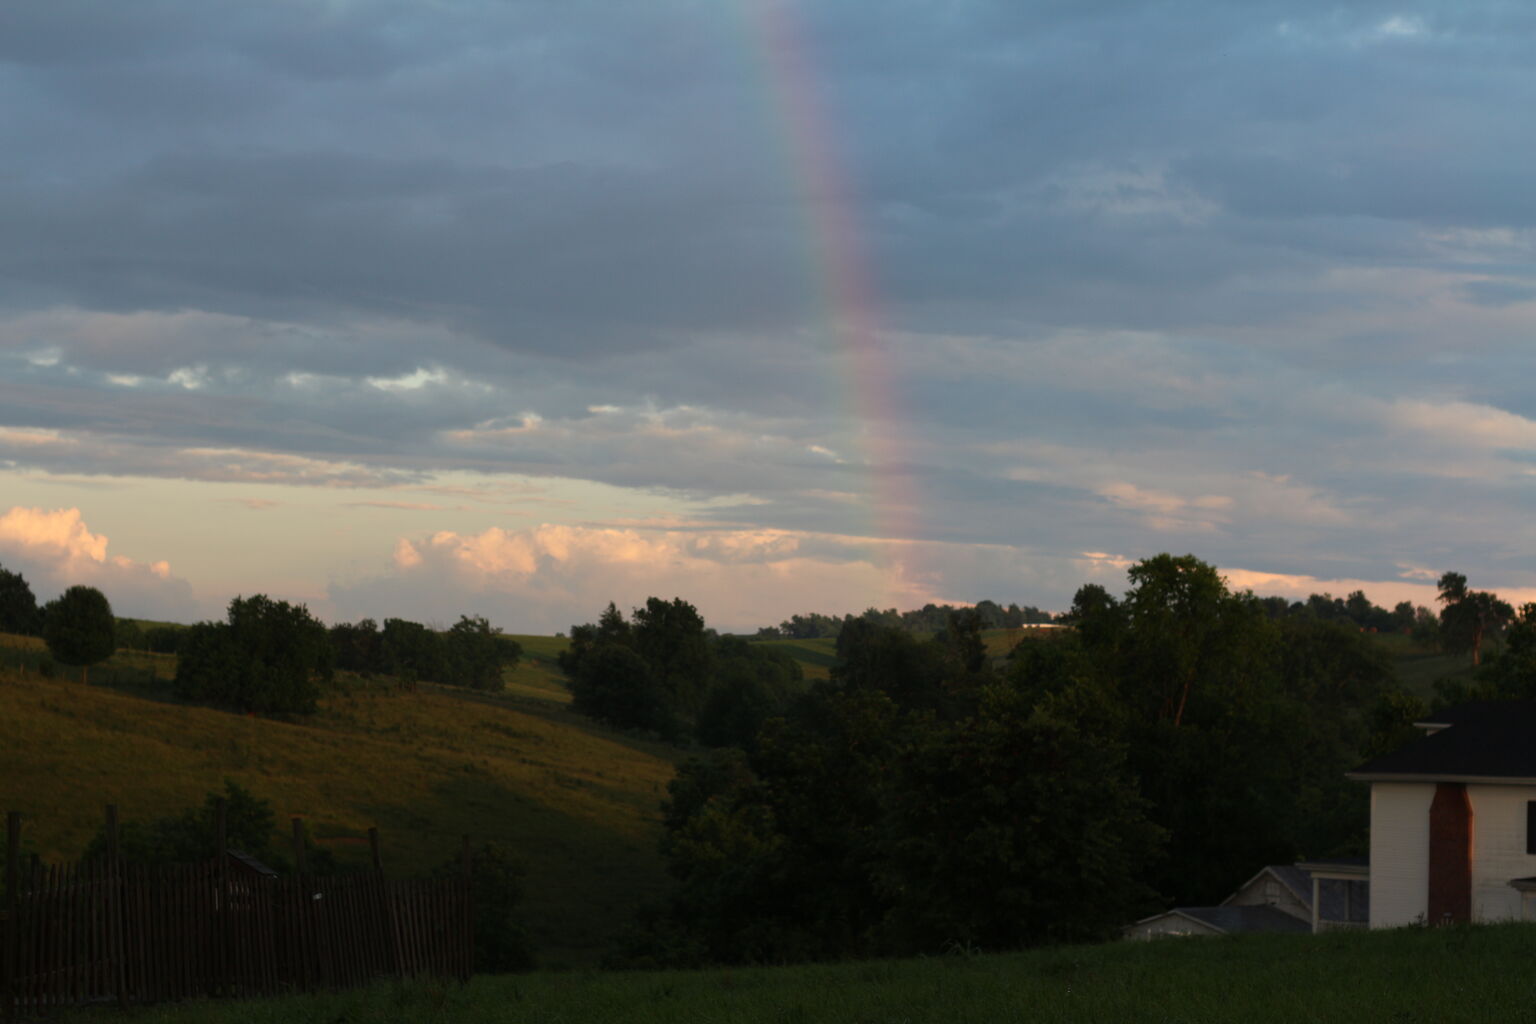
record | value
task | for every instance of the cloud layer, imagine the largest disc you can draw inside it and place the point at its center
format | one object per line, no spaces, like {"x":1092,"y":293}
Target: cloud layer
{"x":1253,"y":281}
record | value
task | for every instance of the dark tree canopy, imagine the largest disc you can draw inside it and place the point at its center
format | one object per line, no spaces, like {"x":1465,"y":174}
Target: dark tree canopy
{"x":1469,"y":616}
{"x":268,"y":656}
{"x":475,"y":654}
{"x":79,"y":628}
{"x":412,"y":651}
{"x":19,"y":612}
{"x":250,"y":826}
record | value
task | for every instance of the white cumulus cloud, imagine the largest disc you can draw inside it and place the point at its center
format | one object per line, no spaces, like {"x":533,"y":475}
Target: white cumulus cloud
{"x":55,"y":549}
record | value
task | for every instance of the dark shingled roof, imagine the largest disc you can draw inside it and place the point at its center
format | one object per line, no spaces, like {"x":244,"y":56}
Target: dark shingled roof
{"x":1490,"y":739}
{"x":1233,"y":920}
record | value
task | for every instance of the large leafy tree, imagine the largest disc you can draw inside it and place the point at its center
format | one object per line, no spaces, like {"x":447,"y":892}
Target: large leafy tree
{"x":358,"y":647}
{"x":1014,"y":827}
{"x":652,"y":672}
{"x":18,"y":606}
{"x":750,"y":685}
{"x":614,"y":684}
{"x":1469,"y":616}
{"x":267,"y":656}
{"x":1226,"y":714}
{"x":671,"y":637}
{"x":79,"y":628}
{"x":412,"y":651}
{"x":476,"y":653}
{"x":856,"y":828}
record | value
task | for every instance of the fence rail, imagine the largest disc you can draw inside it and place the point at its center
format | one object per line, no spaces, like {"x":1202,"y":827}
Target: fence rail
{"x":105,"y":931}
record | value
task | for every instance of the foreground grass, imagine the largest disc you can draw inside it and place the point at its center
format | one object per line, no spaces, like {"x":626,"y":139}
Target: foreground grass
{"x":1461,"y":974}
{"x":578,"y":803}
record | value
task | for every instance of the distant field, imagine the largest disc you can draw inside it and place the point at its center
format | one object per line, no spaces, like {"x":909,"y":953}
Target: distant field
{"x":536,"y":674}
{"x":581,"y":803}
{"x":1466,"y":974}
{"x":816,"y":657}
{"x":1418,"y":667}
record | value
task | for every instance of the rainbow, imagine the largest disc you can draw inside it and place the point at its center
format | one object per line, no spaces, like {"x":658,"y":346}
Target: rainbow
{"x":840,"y":269}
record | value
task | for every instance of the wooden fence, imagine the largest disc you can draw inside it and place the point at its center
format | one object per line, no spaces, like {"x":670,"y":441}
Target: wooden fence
{"x":104,"y":931}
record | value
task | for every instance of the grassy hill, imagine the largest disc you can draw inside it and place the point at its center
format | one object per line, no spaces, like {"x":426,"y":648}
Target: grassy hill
{"x":816,"y":657}
{"x":1466,"y":974}
{"x":580,"y":803}
{"x":1420,"y":667}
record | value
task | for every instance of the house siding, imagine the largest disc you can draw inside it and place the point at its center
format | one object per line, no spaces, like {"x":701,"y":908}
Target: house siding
{"x":1400,"y":852}
{"x":1267,"y":890}
{"x":1498,"y":849}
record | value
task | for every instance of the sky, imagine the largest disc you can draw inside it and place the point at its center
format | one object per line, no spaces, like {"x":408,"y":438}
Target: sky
{"x":422,"y":308}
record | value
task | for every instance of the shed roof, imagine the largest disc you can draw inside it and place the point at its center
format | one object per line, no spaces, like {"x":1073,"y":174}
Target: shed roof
{"x":1234,"y":920}
{"x":1482,"y":740}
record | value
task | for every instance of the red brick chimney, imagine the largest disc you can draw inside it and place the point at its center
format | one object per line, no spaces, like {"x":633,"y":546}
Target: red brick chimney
{"x":1450,"y":855}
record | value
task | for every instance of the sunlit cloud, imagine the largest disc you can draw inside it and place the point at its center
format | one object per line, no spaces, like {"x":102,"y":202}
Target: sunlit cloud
{"x":55,"y":549}
{"x":553,"y":575}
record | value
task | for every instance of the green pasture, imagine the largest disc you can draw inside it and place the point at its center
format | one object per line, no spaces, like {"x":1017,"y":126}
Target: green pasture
{"x":580,"y":803}
{"x":1464,"y":974}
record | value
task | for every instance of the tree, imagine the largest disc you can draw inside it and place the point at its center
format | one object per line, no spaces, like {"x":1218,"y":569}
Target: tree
{"x":250,"y":826}
{"x":412,"y":651}
{"x":79,"y":628}
{"x":1469,"y":615}
{"x":130,"y":636}
{"x":1009,"y":829}
{"x":751,"y":684}
{"x":18,"y":607}
{"x":671,"y":637}
{"x":266,"y":657}
{"x":358,"y":647}
{"x":614,"y":684}
{"x":475,"y":653}
{"x":1188,"y":633}
{"x":495,"y":892}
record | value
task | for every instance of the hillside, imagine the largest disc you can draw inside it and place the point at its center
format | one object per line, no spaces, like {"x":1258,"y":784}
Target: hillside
{"x":817,"y":656}
{"x":1465,"y":974}
{"x":579,"y":802}
{"x":1418,"y":667}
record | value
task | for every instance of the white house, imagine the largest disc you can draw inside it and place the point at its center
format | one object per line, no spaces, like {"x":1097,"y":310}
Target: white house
{"x":1453,"y":819}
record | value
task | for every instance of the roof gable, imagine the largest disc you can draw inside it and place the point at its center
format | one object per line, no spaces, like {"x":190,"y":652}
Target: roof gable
{"x":1481,"y":739}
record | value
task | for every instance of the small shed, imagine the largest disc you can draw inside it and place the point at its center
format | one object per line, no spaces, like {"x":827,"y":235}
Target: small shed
{"x":1307,"y":897}
{"x":1182,"y":921}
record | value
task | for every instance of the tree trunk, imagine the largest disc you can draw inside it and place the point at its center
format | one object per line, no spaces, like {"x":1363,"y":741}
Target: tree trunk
{"x":1178,"y":716}
{"x":1477,"y":644}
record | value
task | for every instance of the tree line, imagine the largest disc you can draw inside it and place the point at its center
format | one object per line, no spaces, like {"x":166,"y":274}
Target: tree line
{"x":1177,"y":737}
{"x":928,"y":619}
{"x":266,"y":655}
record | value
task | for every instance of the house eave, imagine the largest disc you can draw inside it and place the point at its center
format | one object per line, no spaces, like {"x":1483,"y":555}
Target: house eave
{"x":1480,"y":780}
{"x":1344,"y":872}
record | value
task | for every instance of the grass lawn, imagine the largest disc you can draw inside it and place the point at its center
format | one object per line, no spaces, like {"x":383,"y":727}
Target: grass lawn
{"x":1471,"y":974}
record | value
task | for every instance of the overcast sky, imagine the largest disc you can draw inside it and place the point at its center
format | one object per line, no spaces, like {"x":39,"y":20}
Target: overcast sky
{"x":416,"y":308}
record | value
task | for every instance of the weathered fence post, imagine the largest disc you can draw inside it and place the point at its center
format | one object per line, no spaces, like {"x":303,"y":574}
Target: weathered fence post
{"x":116,"y":953}
{"x":304,"y":911}
{"x":386,"y":900}
{"x":12,"y":909}
{"x":467,"y":964}
{"x":223,"y":959}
